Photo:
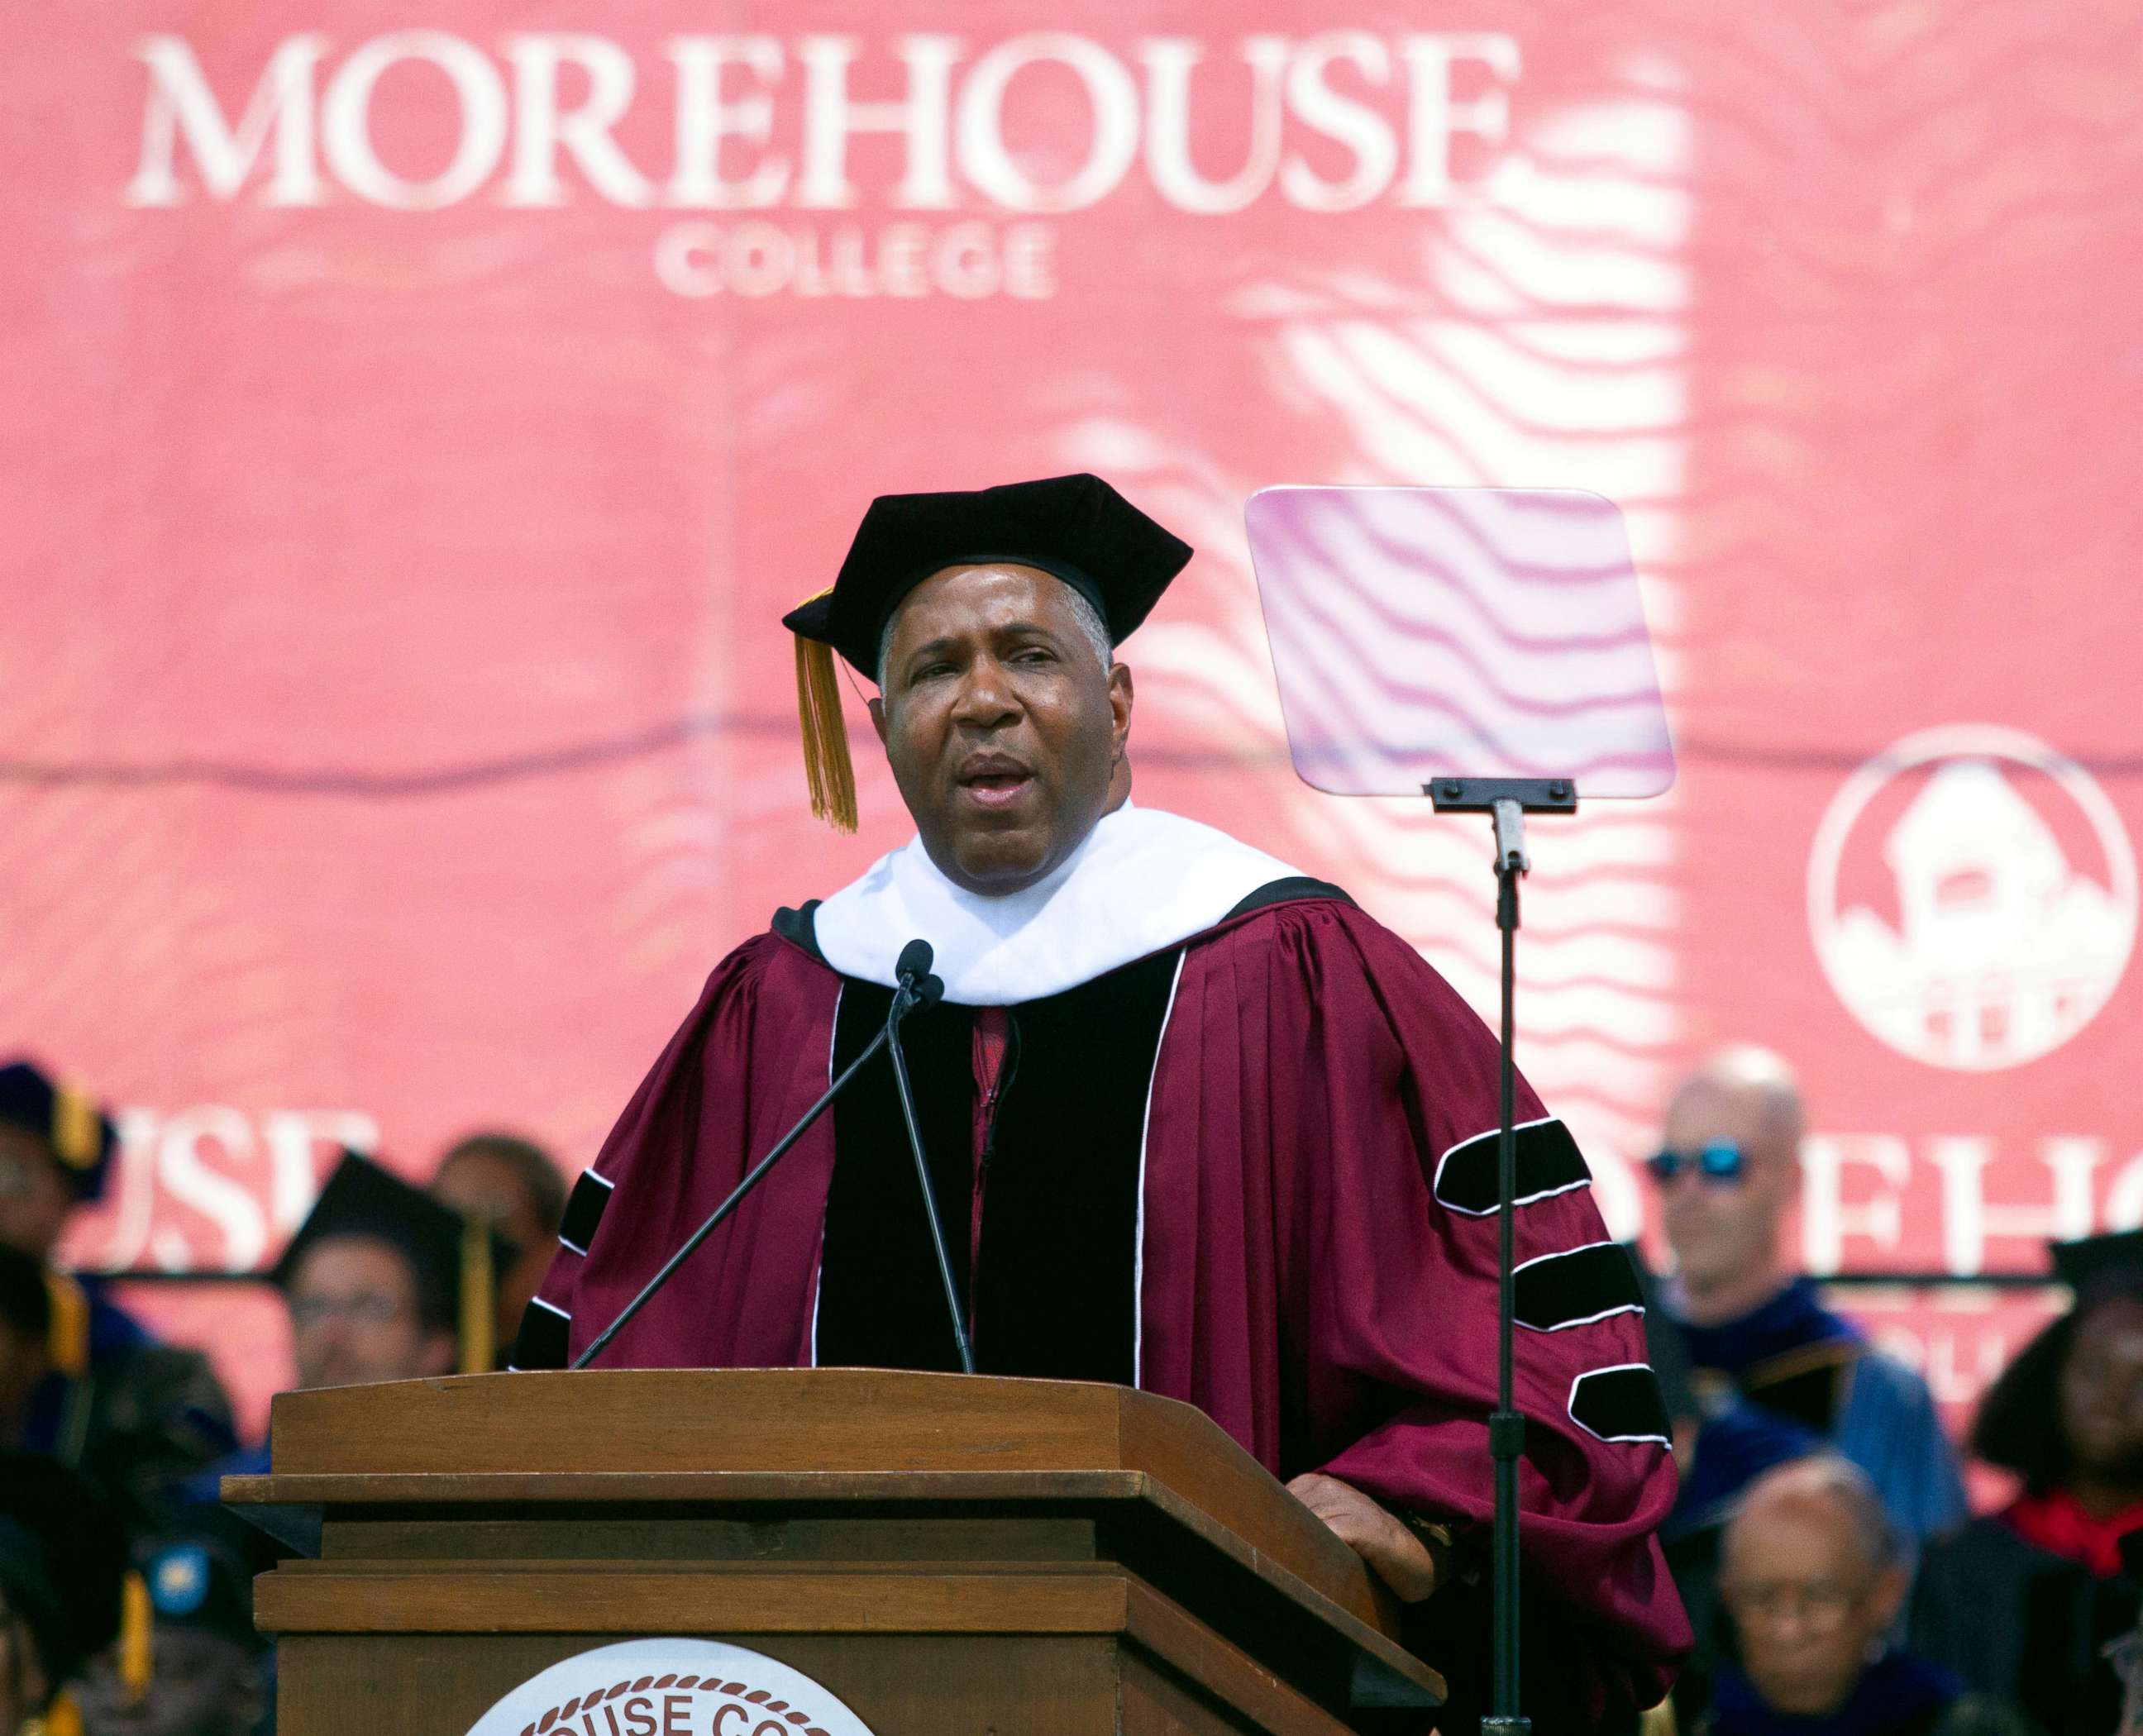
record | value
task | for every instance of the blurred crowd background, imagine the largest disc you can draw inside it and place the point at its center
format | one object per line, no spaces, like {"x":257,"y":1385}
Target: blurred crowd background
{"x":1837,"y":1575}
{"x":413,"y":423}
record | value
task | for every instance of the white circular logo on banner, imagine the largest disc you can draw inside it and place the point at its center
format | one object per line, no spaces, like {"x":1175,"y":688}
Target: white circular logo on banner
{"x":1972,"y":896}
{"x":670,"y":1688}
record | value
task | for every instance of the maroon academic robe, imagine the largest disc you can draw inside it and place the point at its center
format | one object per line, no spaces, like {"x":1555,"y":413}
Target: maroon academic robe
{"x":1316,"y":1257}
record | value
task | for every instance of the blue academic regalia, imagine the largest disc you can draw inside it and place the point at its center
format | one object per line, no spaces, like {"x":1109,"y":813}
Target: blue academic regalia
{"x":1898,"y":1695}
{"x":1791,"y":1376}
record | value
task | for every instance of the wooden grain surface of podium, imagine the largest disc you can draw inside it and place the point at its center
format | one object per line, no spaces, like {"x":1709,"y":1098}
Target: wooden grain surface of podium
{"x":949,"y":1555}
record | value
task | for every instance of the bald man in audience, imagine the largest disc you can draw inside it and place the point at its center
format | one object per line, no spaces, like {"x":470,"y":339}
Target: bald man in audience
{"x":1759,"y":1372}
{"x":1813,"y":1573}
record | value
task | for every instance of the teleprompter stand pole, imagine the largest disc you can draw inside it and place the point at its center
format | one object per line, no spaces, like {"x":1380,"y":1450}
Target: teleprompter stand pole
{"x":1508,"y":800}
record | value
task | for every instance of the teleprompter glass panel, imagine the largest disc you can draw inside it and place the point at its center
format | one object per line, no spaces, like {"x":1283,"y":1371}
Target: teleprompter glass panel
{"x":1424,"y":633}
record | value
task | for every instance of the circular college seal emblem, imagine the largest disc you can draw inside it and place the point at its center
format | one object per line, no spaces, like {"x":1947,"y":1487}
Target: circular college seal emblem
{"x":1972,"y":896}
{"x":670,"y":1688}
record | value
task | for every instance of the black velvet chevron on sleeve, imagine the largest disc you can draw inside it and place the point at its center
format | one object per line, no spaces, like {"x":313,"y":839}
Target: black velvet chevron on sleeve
{"x":584,"y":1210}
{"x":1549,"y":1162}
{"x":540,"y":1342}
{"x":1622,"y":1403}
{"x":1569,"y":1290}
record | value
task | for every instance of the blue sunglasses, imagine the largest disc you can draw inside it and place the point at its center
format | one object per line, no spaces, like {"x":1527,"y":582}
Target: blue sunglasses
{"x":1720,"y":1160}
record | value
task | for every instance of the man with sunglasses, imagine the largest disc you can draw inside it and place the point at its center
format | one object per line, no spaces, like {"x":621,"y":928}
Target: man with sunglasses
{"x":1772,"y":1375}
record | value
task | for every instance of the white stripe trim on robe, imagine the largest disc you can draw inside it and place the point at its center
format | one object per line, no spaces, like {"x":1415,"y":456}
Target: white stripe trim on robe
{"x":1138,"y":1235}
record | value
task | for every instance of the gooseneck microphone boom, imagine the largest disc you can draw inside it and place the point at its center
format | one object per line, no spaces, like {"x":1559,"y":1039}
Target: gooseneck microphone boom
{"x":916,"y":988}
{"x":919,"y":989}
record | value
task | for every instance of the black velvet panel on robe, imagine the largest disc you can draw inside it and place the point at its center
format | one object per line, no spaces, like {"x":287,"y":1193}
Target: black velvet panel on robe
{"x":1053,"y":1296}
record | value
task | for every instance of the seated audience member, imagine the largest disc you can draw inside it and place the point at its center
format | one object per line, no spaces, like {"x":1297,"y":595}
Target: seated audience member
{"x":63,"y":1565}
{"x":1758,"y":1371}
{"x":1812,"y":1573}
{"x":135,"y":1416}
{"x":2023,"y":1602}
{"x":204,"y":1674}
{"x":26,"y":1324}
{"x":516,"y":1186}
{"x":382,"y":1283}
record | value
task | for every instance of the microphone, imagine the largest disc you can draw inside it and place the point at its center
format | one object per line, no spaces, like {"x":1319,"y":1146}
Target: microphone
{"x":912,"y":972}
{"x":916,"y":988}
{"x":919,"y":989}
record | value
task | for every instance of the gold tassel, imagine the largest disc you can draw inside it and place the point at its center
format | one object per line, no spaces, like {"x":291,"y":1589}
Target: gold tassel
{"x":137,"y":1660}
{"x":826,"y":763}
{"x":62,"y":1718}
{"x":66,"y":1340}
{"x":479,"y":1320}
{"x":75,"y":1135}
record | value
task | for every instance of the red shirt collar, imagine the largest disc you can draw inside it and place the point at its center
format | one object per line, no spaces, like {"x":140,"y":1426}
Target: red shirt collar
{"x":2057,"y":1522}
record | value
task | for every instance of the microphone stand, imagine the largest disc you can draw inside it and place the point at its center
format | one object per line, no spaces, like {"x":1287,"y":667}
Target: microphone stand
{"x":906,"y":998}
{"x":1508,"y":800}
{"x":923,"y":1176}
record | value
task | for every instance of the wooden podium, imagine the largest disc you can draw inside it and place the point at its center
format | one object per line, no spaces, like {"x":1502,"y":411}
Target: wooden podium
{"x":947,"y":1556}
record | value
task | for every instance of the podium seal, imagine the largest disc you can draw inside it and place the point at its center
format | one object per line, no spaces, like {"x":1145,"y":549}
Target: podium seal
{"x":670,"y":1688}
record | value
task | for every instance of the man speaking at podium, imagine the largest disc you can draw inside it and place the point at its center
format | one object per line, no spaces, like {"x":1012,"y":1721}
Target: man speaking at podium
{"x":1193,"y":1122}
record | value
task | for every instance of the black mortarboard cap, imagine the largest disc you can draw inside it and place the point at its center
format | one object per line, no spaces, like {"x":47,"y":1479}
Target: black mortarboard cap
{"x":2100,"y":1265}
{"x":79,"y":1135}
{"x":1075,"y":527}
{"x":454,"y":1259}
{"x":62,"y":1561}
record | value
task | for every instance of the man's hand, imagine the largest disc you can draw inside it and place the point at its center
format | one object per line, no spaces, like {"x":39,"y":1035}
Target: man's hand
{"x":1397,"y":1556}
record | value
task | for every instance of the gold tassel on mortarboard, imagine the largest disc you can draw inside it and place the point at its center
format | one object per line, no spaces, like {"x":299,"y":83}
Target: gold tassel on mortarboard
{"x":479,"y":1311}
{"x":66,"y":1339}
{"x":75,"y":1135}
{"x":62,"y":1718}
{"x":826,"y":763}
{"x":137,"y":1657}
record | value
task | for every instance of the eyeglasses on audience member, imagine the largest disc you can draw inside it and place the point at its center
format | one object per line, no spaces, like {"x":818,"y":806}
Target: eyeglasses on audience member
{"x":369,"y":1308}
{"x":1821,"y":1605}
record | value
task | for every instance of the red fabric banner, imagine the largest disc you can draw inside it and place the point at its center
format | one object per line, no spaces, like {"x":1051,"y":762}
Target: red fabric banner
{"x":413,"y":426}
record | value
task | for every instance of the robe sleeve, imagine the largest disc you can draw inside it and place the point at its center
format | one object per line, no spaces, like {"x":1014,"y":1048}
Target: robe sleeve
{"x":748,"y":1061}
{"x":1379,"y":1087}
